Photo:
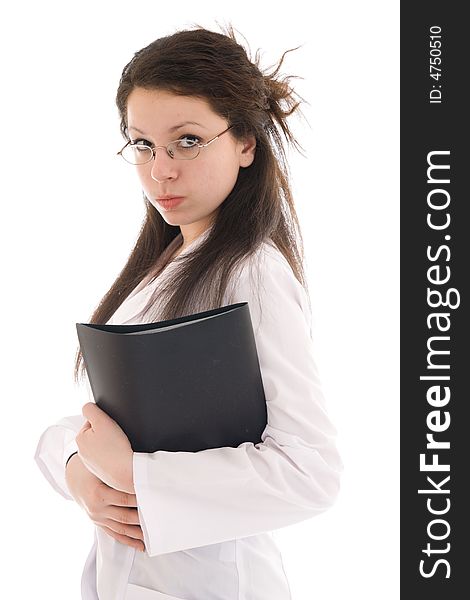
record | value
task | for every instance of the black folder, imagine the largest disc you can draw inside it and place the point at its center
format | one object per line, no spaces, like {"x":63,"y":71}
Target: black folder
{"x":180,"y":385}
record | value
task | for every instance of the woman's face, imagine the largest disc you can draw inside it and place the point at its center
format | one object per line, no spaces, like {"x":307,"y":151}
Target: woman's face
{"x":205,"y":181}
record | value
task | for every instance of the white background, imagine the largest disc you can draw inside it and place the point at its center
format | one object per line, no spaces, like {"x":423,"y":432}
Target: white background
{"x":72,"y":211}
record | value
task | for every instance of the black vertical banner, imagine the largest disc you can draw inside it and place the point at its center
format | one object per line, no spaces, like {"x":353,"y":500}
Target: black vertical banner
{"x":435,"y":270}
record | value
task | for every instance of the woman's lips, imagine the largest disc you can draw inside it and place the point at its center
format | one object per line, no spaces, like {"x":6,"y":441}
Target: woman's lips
{"x":171,"y":202}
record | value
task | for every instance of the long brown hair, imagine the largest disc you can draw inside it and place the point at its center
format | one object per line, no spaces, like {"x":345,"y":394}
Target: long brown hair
{"x":214,"y":66}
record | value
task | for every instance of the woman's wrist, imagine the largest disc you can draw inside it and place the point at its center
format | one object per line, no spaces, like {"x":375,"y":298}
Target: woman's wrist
{"x":68,"y":460}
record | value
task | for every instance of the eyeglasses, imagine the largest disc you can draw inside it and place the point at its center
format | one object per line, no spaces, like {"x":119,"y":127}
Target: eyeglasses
{"x":138,"y":153}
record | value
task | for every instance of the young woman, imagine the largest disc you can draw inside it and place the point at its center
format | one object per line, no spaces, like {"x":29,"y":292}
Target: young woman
{"x":203,"y":127}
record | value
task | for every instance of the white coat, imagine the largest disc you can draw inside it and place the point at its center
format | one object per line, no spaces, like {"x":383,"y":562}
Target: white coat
{"x":207,"y":516}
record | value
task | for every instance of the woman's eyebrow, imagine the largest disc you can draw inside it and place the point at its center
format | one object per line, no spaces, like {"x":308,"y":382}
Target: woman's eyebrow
{"x":171,"y":129}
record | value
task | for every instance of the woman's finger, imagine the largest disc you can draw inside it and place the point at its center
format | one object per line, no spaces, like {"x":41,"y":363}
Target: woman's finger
{"x":119,"y":498}
{"x":131,"y":531}
{"x":128,"y":516}
{"x":128,"y":541}
{"x":85,"y":427}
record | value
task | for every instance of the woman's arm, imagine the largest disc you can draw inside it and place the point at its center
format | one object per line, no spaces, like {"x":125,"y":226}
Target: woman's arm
{"x":55,"y":446}
{"x":189,"y":499}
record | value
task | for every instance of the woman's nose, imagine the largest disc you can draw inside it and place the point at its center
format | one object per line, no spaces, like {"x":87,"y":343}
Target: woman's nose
{"x":163,"y":167}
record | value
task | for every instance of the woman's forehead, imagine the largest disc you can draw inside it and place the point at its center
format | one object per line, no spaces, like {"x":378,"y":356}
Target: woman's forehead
{"x":166,"y":111}
{"x":142,"y":99}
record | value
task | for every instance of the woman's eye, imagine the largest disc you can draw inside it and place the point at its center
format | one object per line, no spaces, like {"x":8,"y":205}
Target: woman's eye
{"x":141,"y":143}
{"x":189,"y":140}
{"x":141,"y":146}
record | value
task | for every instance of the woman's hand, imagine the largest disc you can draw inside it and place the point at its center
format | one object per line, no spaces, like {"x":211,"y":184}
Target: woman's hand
{"x":105,"y":449}
{"x":113,"y":511}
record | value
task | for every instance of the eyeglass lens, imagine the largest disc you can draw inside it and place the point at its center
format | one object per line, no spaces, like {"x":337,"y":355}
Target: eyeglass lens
{"x":138,"y":154}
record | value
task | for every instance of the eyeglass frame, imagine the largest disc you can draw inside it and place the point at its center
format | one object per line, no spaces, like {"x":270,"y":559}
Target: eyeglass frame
{"x":154,"y":148}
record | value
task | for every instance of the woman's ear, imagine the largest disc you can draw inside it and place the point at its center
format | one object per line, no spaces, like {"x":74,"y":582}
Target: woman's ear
{"x":247,"y":151}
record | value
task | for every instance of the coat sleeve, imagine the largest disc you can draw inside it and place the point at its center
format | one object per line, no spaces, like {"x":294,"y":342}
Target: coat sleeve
{"x":56,"y":444}
{"x":186,"y":499}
